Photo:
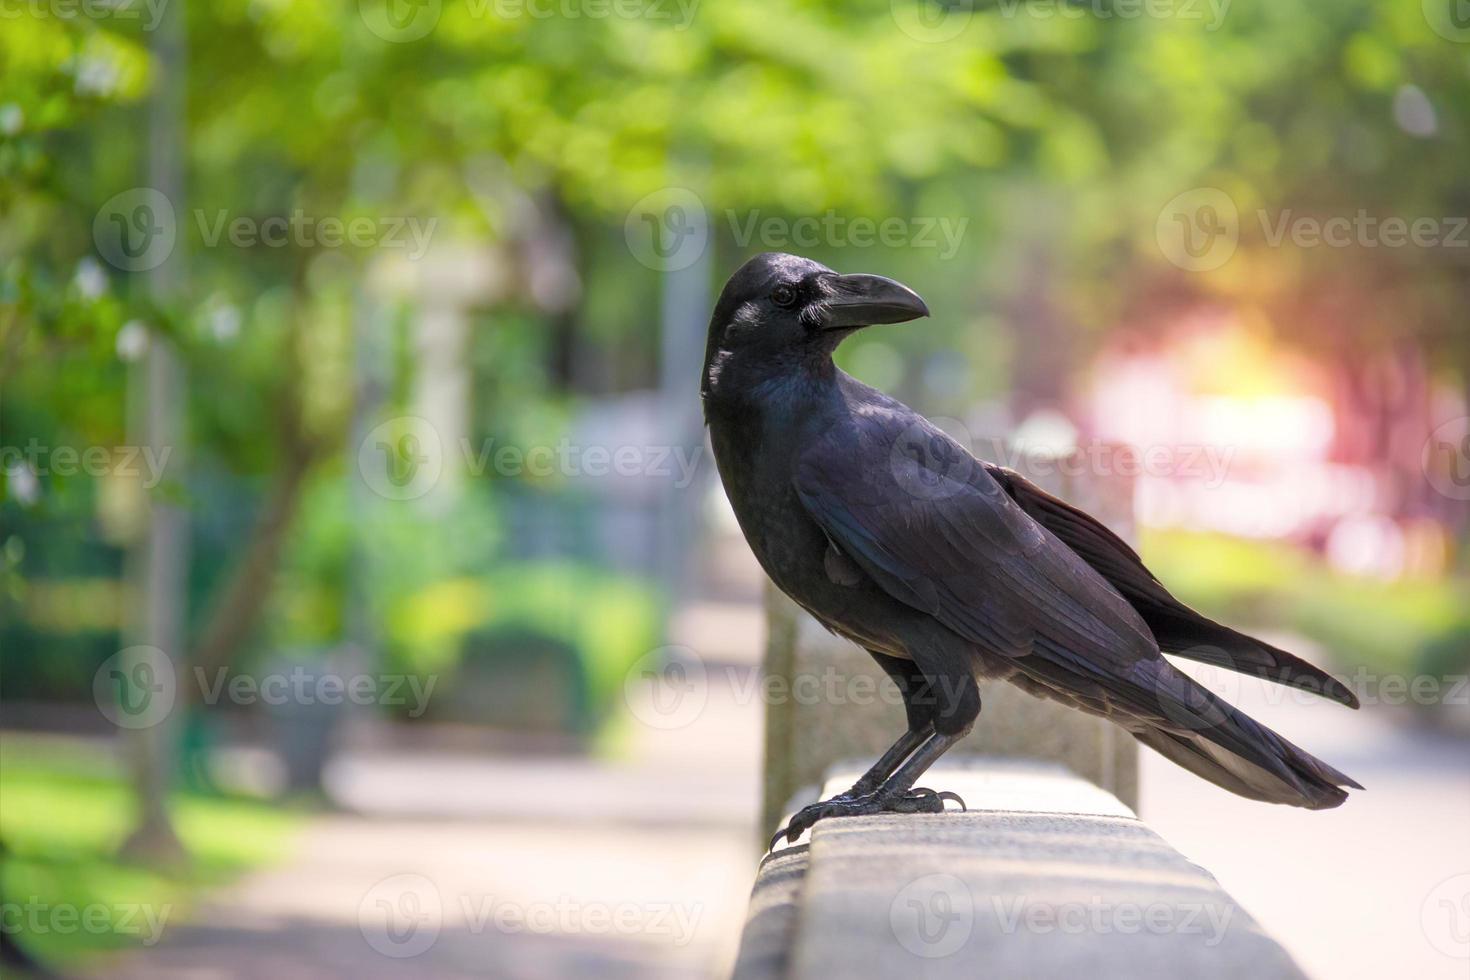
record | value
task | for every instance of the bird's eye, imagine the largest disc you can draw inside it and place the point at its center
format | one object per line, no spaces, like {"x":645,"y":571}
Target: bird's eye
{"x":783,"y":295}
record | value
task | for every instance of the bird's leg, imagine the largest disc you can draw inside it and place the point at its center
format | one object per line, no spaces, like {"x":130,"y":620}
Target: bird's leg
{"x":892,"y":795}
{"x":901,"y":782}
{"x":862,"y":792}
{"x":886,"y":789}
{"x":886,"y":765}
{"x":918,"y":704}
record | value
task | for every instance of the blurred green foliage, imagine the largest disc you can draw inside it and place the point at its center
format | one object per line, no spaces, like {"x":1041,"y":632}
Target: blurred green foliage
{"x":1067,"y":133}
{"x":66,"y":811}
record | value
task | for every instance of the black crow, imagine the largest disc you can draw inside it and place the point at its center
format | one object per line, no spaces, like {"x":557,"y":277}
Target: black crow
{"x":950,"y":570}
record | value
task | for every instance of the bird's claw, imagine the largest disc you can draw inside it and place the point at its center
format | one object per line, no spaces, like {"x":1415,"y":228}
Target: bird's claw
{"x":918,"y":800}
{"x":946,"y":794}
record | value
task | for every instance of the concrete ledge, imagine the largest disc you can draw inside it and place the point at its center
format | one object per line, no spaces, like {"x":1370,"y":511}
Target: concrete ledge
{"x":1046,"y":876}
{"x":770,"y":926}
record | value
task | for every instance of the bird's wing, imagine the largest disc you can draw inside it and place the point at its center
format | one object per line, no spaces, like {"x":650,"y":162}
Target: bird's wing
{"x":926,"y":521}
{"x":1177,"y":628}
{"x":935,"y":530}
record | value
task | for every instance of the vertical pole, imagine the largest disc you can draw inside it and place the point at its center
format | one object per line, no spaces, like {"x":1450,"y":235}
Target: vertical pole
{"x":158,"y":425}
{"x":685,"y":310}
{"x":370,"y":368}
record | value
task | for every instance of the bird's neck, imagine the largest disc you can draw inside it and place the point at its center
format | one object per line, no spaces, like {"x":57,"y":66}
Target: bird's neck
{"x":744,"y":386}
{"x":762,"y":426}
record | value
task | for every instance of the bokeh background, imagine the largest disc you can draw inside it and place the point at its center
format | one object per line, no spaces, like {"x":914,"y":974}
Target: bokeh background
{"x":355,"y":485}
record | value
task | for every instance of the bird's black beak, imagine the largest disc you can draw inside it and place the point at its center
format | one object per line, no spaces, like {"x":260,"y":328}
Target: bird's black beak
{"x":860,"y":301}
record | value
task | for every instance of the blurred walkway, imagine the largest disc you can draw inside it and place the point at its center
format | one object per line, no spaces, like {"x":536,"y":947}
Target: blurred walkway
{"x":464,"y":866}
{"x":381,"y":898}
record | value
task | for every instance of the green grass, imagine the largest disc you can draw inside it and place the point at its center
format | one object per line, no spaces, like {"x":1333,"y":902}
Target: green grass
{"x":63,"y":814}
{"x":1386,"y":627}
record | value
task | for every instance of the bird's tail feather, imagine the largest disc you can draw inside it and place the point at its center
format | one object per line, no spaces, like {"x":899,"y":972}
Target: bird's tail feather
{"x":1221,"y":743}
{"x":1244,"y":778}
{"x":1165,"y":709}
{"x":1196,"y":638}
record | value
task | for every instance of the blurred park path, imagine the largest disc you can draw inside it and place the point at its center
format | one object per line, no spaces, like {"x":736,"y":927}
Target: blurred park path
{"x":539,"y":867}
{"x":1349,"y":891}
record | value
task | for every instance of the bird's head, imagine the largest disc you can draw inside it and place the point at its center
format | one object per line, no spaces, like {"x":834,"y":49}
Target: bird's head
{"x":781,"y":313}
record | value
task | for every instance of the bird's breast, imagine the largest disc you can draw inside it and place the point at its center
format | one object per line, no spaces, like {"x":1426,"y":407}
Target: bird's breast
{"x":757,"y":466}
